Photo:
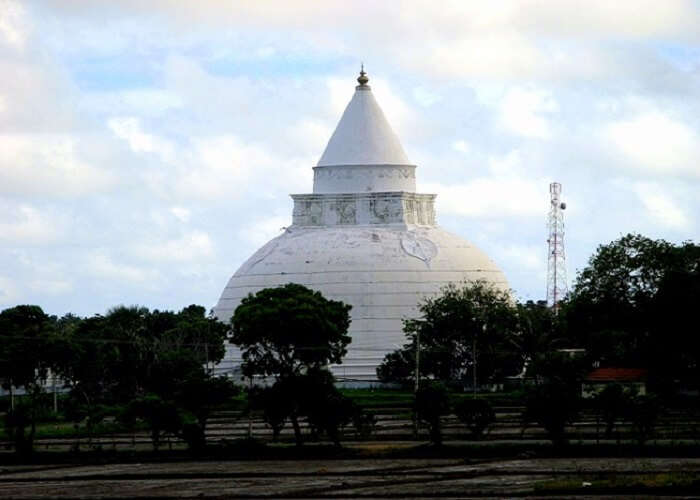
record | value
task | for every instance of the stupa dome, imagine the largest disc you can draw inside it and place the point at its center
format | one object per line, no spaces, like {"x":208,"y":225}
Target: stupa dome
{"x":364,"y":236}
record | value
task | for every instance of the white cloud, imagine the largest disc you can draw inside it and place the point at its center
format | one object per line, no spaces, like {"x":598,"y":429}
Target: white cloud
{"x":48,"y":164}
{"x":527,"y":257}
{"x":191,"y":246}
{"x":26,"y":225}
{"x":13,"y":23}
{"x":264,"y":229}
{"x":655,"y":141}
{"x":199,"y":119}
{"x":103,"y":266}
{"x":662,"y":208}
{"x":219,"y":167}
{"x":425,"y":97}
{"x":9,"y":291}
{"x":265,"y":52}
{"x":182,"y":214}
{"x":490,"y":197}
{"x":524,"y":112}
{"x":51,"y":286}
{"x":129,"y":128}
{"x":461,"y":146}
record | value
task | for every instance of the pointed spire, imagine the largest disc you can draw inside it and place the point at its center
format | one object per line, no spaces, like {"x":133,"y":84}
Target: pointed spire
{"x":363,"y":135}
{"x":362,"y":79}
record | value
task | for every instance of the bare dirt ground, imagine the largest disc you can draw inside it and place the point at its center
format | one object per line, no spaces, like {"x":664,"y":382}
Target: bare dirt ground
{"x":355,"y":478}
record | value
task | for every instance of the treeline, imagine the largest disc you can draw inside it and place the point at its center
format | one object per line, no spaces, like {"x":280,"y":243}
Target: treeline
{"x":135,"y":367}
{"x":633,"y":306}
{"x":132,"y":365}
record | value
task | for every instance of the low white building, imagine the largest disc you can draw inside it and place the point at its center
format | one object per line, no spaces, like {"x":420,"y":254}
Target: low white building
{"x":364,"y":236}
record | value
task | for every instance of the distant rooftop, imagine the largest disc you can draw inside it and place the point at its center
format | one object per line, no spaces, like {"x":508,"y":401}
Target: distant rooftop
{"x":616,"y":375}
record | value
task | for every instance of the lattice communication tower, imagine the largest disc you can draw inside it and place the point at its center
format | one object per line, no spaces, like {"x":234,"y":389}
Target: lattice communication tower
{"x":556,"y":266}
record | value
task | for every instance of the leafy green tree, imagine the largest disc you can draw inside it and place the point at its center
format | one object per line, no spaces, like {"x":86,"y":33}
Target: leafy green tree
{"x":286,"y":331}
{"x":633,"y":306}
{"x":431,"y":403}
{"x":133,"y":352}
{"x":559,"y":368}
{"x":20,"y":421}
{"x":476,"y":414}
{"x":25,"y":332}
{"x":26,"y":339}
{"x":539,"y":330}
{"x":475,"y":322}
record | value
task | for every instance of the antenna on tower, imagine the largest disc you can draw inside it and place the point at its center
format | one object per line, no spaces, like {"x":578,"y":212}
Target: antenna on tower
{"x":556,"y":258}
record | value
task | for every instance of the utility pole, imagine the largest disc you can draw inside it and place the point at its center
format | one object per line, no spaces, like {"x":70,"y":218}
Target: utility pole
{"x":417,"y":382}
{"x":206,"y":354}
{"x":474,"y":365}
{"x":55,"y":394}
{"x":250,"y":412}
{"x":417,"y":376}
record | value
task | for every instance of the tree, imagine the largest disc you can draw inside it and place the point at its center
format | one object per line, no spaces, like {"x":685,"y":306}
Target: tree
{"x":633,"y":306}
{"x":289,"y":330}
{"x":431,"y":403}
{"x":24,"y":337}
{"x":476,"y":414}
{"x":106,"y":361}
{"x":539,"y":330}
{"x":26,"y":334}
{"x":474,"y":322}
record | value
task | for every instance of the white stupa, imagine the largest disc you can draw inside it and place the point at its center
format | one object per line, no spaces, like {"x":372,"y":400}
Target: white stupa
{"x":364,"y":236}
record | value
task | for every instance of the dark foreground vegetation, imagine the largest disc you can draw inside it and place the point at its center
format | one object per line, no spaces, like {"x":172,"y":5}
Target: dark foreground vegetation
{"x":140,"y":383}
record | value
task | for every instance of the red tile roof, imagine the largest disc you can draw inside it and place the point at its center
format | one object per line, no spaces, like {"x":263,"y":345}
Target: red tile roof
{"x":617,"y":375}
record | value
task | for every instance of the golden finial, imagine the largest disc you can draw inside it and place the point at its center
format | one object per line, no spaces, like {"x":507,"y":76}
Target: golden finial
{"x":362,"y":79}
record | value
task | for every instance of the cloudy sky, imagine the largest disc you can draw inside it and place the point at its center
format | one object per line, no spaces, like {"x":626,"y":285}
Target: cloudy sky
{"x":147,"y":148}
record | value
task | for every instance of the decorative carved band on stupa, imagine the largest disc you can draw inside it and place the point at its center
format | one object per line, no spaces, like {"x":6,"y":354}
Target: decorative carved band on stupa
{"x":345,"y":209}
{"x":364,"y":178}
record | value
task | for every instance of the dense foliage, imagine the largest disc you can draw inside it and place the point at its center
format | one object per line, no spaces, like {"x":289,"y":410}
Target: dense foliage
{"x":474,"y":325}
{"x":634,"y":306}
{"x":289,"y":330}
{"x":292,"y":333}
{"x":129,"y":364}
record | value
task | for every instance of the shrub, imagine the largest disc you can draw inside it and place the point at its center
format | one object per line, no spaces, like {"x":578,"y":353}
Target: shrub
{"x":431,"y":403}
{"x":476,"y":414}
{"x":553,"y":406}
{"x":611,"y":403}
{"x":644,"y":414}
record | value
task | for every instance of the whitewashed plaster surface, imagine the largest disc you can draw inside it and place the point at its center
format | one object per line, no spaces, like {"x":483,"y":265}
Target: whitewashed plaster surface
{"x":364,"y":236}
{"x":363,"y":136}
{"x":382,"y":271}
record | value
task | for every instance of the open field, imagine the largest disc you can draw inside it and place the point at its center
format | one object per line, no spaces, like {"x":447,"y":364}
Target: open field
{"x":511,"y":460}
{"x":366,"y":478}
